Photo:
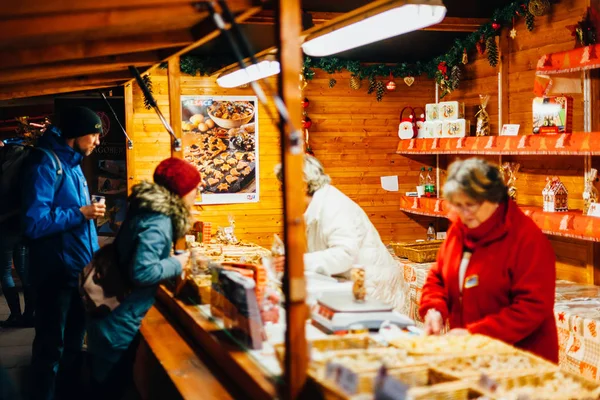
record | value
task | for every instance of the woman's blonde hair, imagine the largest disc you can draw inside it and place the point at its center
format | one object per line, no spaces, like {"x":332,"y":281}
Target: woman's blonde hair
{"x":314,"y":174}
{"x":476,"y":178}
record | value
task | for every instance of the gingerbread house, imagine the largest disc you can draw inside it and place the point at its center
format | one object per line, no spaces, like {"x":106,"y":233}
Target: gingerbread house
{"x":556,"y":196}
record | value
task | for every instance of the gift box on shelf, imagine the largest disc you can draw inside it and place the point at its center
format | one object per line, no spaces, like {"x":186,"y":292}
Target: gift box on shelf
{"x":432,"y":112}
{"x":455,"y":128}
{"x":451,"y":110}
{"x":552,"y":115}
{"x":431,"y":129}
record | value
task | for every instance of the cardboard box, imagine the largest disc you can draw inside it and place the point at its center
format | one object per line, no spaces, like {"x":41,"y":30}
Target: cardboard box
{"x":451,"y":110}
{"x":431,"y":129}
{"x":455,"y":128}
{"x":432,"y":112}
{"x":553,"y":115}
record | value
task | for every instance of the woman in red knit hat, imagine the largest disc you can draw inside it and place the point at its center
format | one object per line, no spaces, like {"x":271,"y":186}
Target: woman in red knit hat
{"x":495,"y":273}
{"x":158,"y":215}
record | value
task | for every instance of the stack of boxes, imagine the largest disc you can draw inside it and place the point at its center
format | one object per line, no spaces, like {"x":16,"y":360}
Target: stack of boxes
{"x":445,"y":119}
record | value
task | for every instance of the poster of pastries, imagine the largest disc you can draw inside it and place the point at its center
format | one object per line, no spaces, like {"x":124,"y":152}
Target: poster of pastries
{"x":220,"y":137}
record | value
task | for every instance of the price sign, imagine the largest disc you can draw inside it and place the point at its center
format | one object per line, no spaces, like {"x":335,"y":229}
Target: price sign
{"x":388,"y":388}
{"x":344,"y":377}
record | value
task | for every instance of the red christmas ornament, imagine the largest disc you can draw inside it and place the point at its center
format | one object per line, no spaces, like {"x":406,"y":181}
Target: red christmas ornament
{"x":496,"y":25}
{"x":305,"y":103}
{"x":306,"y":122}
{"x":391,"y":85}
{"x":443,"y":68}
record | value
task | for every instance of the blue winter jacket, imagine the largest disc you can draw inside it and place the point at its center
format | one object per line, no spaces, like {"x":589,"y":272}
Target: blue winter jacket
{"x":61,"y":240}
{"x":155,"y":218}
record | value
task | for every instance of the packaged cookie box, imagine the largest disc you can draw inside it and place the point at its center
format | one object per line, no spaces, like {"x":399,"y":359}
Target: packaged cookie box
{"x":451,"y":110}
{"x":432,"y":112}
{"x":552,"y":115}
{"x":431,"y":129}
{"x":455,"y":128}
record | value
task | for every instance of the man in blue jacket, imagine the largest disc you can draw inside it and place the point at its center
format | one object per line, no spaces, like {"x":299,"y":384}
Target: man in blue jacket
{"x":58,"y":221}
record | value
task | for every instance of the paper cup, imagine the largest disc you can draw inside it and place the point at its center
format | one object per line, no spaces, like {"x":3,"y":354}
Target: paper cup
{"x":98,"y":199}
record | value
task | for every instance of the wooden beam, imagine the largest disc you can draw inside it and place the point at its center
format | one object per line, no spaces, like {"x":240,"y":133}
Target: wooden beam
{"x":211,"y":33}
{"x":98,"y":23}
{"x":289,"y":26}
{"x":63,"y":85}
{"x":129,"y":128}
{"x":94,"y":48}
{"x":174,"y":81}
{"x":75,"y":68}
{"x":23,"y":8}
{"x":449,"y":24}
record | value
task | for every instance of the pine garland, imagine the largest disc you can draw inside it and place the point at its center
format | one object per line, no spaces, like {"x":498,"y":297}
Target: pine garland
{"x":455,"y":77}
{"x":529,"y":21}
{"x":492,"y":51}
{"x":372,"y":84}
{"x":148,"y":81}
{"x":380,"y":90}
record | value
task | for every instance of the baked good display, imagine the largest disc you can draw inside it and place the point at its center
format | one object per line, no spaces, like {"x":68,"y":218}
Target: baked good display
{"x":451,"y":345}
{"x":491,"y":364}
{"x":220,"y":140}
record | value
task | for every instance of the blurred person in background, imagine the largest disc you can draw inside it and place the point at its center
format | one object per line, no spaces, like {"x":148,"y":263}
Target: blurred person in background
{"x":495,"y":273}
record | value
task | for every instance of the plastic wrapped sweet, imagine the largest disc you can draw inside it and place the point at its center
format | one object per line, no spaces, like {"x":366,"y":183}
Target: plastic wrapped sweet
{"x":358,"y":288}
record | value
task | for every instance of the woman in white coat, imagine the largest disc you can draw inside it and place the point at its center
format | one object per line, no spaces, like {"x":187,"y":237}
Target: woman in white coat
{"x":339,"y":234}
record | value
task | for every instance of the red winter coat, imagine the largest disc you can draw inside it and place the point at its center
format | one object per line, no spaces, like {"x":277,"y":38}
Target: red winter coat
{"x":514,"y":265}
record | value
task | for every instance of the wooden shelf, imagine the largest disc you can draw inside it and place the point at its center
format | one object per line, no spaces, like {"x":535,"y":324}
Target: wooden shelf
{"x":579,"y":143}
{"x":570,"y":224}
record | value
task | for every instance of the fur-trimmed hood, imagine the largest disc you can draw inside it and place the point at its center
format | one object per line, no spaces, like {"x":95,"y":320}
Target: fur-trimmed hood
{"x":155,"y":198}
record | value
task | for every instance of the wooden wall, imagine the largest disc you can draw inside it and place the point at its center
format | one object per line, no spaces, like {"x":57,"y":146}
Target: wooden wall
{"x":355,"y":137}
{"x":256,"y":222}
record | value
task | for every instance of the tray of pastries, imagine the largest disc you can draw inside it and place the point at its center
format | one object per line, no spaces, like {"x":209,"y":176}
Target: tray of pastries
{"x":451,"y":345}
{"x":557,"y":385}
{"x":493,"y":364}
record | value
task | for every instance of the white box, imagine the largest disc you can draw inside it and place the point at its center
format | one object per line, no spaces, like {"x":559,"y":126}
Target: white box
{"x":432,"y":112}
{"x":451,"y":110}
{"x":431,"y":129}
{"x":455,"y":128}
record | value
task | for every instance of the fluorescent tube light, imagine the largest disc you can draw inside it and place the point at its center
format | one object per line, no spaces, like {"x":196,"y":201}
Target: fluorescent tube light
{"x":383,"y":25}
{"x":251,"y":73}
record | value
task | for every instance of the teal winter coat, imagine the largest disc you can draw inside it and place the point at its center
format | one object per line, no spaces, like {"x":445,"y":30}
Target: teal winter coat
{"x":156,"y":218}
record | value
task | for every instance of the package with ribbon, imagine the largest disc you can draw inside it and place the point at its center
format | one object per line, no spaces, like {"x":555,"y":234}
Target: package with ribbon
{"x":483,"y":118}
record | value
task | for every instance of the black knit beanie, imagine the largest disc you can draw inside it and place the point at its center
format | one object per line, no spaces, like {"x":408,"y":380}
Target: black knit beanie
{"x":78,"y":121}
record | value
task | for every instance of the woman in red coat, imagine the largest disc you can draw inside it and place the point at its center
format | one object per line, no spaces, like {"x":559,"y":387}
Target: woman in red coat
{"x":495,"y":274}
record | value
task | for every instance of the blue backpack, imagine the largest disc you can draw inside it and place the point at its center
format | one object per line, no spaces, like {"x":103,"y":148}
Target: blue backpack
{"x":12,"y":162}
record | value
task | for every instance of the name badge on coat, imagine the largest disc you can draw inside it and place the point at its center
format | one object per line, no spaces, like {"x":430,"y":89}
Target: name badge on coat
{"x":471,"y":281}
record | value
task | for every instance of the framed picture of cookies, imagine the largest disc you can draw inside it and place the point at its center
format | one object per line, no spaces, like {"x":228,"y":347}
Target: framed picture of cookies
{"x":220,"y":137}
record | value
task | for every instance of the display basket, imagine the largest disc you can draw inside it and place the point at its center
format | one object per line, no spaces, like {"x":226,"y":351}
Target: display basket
{"x":401,"y":249}
{"x":423,"y":253}
{"x":448,"y":345}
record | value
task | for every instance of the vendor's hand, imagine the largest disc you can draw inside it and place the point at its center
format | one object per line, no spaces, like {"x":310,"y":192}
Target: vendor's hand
{"x":183,"y":258}
{"x":458,"y":332}
{"x":433,"y":322}
{"x":279,"y":263}
{"x":93,"y":211}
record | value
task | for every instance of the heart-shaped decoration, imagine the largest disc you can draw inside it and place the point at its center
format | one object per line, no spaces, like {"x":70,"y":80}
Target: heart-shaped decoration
{"x":409,"y":80}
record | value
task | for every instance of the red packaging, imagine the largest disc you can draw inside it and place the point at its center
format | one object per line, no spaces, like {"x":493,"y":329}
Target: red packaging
{"x":552,"y":115}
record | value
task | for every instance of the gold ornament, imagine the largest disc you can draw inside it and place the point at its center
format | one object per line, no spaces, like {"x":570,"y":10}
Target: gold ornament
{"x":465,"y":57}
{"x":303,"y":82}
{"x":355,"y":82}
{"x":509,"y":170}
{"x":539,"y":7}
{"x":513,"y":33}
{"x":409,"y":80}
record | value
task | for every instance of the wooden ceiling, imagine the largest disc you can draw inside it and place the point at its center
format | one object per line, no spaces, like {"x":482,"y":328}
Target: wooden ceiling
{"x":59,"y":46}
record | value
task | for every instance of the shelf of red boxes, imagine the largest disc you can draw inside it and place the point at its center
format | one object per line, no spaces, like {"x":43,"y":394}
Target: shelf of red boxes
{"x":578,"y":143}
{"x":570,"y":224}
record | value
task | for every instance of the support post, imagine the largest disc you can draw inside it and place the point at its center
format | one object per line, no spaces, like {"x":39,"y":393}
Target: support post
{"x":288,"y":28}
{"x":129,"y":153}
